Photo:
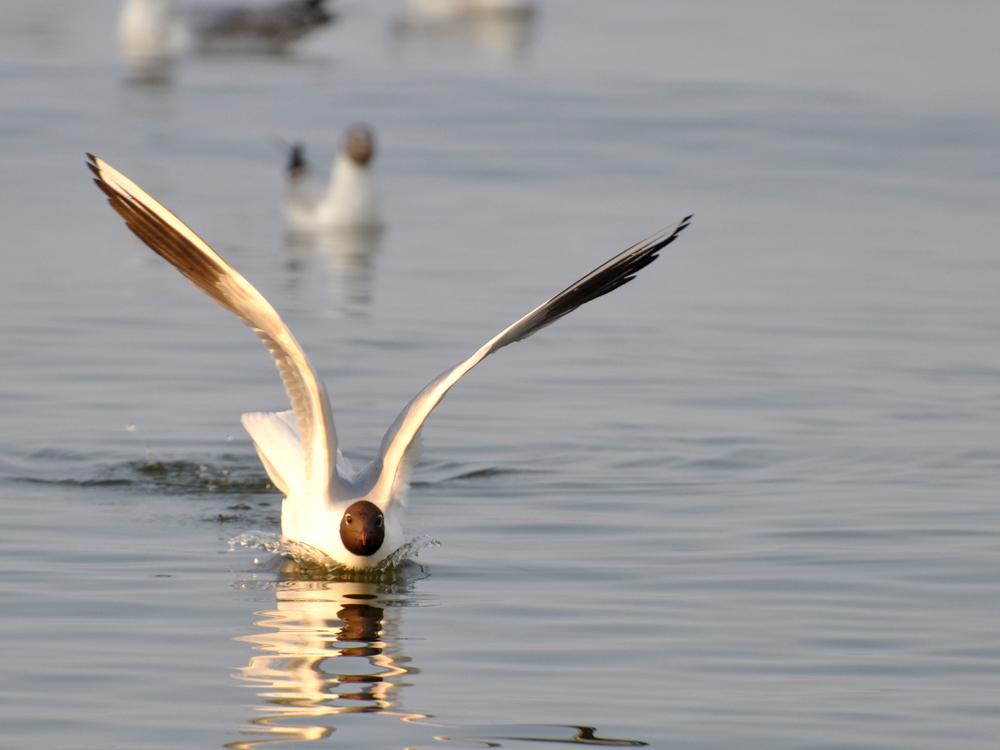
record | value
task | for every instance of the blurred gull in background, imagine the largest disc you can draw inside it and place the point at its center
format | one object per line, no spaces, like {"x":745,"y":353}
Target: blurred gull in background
{"x":150,"y":36}
{"x":152,"y":33}
{"x":452,"y":9}
{"x":348,"y":201}
{"x":497,"y":26}
{"x":266,"y":28}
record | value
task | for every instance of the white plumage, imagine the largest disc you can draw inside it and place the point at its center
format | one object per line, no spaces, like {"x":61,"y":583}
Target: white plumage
{"x":454,"y":9}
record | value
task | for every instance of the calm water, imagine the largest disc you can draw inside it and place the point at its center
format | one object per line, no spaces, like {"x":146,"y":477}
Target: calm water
{"x":748,"y":501}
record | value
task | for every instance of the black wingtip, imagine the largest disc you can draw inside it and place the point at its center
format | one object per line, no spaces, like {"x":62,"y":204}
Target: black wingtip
{"x":613,"y":274}
{"x":104,"y":188}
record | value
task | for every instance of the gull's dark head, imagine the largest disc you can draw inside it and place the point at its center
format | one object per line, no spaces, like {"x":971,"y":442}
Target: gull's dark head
{"x":359,"y":143}
{"x":362,"y":529}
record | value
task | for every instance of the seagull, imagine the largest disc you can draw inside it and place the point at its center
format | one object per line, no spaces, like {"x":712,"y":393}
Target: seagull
{"x":355,"y":518}
{"x":444,"y":10}
{"x":158,"y":30}
{"x":255,"y":28}
{"x":349,"y":201}
{"x":149,"y":31}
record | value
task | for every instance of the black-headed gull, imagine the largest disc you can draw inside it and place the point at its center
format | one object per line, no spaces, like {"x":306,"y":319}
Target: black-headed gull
{"x":348,"y":201}
{"x":155,"y":31}
{"x":356,"y":518}
{"x":243,"y":27}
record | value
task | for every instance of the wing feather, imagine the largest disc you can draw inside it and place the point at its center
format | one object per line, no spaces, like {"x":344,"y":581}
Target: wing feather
{"x":171,"y":239}
{"x":618,"y":271}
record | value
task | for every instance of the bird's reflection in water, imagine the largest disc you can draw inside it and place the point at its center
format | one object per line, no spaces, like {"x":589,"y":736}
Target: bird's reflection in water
{"x":342,"y":259}
{"x":500,"y":28}
{"x":156,"y":74}
{"x":329,"y":648}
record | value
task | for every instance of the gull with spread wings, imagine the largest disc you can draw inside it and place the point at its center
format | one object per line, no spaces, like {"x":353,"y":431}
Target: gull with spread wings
{"x":356,"y":518}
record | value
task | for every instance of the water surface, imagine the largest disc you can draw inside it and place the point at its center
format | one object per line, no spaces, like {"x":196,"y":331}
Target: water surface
{"x":747,"y":501}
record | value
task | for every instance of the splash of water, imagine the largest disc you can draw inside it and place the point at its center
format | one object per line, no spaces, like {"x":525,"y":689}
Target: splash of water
{"x":311,"y":557}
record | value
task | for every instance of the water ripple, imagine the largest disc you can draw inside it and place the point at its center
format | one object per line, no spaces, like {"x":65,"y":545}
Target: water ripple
{"x":227,"y":474}
{"x":319,"y":566}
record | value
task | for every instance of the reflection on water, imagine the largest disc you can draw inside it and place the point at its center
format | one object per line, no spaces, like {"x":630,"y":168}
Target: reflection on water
{"x":573,"y":735}
{"x":345,"y":261}
{"x":498,"y":27}
{"x":27,"y":26}
{"x":150,"y":72}
{"x":330,"y":647}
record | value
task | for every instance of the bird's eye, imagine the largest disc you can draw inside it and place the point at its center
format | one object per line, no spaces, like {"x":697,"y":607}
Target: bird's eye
{"x":348,"y":518}
{"x":380,"y":520}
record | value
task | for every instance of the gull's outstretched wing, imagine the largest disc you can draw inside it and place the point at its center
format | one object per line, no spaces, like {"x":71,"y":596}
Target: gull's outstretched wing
{"x":172,"y":240}
{"x":621,"y":269}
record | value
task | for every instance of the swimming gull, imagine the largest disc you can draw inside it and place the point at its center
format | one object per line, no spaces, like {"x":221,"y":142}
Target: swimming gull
{"x":348,"y":201}
{"x":151,"y":31}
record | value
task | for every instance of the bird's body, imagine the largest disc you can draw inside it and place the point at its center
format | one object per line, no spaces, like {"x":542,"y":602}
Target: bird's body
{"x":156,"y":30}
{"x":149,"y":31}
{"x":267,"y":28}
{"x":445,"y":10}
{"x":349,"y":201}
{"x":312,"y":511}
{"x":299,"y":447}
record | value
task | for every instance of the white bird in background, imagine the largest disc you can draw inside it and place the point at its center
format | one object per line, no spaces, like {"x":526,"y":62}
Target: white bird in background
{"x":154,"y":31}
{"x":355,"y":518}
{"x":501,"y":27}
{"x":451,"y":9}
{"x":149,"y":31}
{"x":348,"y":201}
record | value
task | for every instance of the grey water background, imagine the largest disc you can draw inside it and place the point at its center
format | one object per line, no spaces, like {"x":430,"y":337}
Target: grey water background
{"x":750,"y":500}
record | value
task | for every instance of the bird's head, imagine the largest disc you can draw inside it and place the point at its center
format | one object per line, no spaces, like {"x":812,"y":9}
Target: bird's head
{"x":362,"y":528}
{"x":359,"y":144}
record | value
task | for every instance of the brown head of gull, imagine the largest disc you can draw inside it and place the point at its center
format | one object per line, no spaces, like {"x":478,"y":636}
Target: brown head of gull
{"x":359,"y":143}
{"x":362,"y":528}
